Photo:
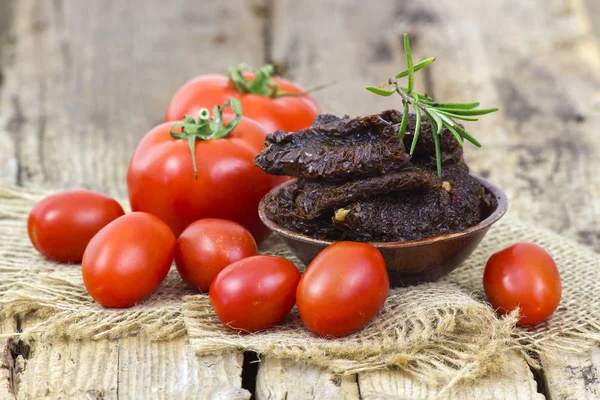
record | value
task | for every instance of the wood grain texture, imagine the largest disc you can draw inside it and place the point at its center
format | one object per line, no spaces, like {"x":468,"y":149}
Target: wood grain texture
{"x":86,"y":80}
{"x":513,"y":381}
{"x":128,"y":368}
{"x":171,"y":369}
{"x":287,"y":379}
{"x":573,"y":376}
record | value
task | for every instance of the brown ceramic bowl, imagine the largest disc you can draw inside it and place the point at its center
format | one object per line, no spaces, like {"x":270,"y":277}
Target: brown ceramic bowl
{"x":407,"y":262}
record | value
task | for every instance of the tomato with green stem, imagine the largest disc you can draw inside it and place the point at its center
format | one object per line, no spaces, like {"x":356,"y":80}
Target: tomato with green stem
{"x":201,"y":168}
{"x":523,"y":275}
{"x":273,"y":102}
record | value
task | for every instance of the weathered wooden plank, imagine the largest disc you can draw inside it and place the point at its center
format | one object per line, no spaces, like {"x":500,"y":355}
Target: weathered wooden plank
{"x":288,"y":379}
{"x":61,"y":369}
{"x":171,"y":369}
{"x":573,"y":376}
{"x":128,"y":368}
{"x":87,"y":80}
{"x":12,"y":362}
{"x":513,"y":381}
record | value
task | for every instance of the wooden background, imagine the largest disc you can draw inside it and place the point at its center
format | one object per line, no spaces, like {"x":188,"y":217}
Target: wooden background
{"x":82,"y":81}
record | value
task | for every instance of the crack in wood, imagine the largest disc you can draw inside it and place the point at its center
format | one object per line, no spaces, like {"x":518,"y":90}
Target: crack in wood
{"x":358,"y":386}
{"x":540,"y":377}
{"x":16,"y":352}
{"x":250,"y":371}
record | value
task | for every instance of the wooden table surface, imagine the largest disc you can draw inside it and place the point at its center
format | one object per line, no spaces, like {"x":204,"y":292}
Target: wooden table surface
{"x":82,"y":81}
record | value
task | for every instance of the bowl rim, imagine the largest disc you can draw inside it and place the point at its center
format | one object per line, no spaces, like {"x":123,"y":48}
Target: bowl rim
{"x":499,"y":211}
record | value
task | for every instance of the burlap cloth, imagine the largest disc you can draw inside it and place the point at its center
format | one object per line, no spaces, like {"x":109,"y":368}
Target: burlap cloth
{"x":441,"y":332}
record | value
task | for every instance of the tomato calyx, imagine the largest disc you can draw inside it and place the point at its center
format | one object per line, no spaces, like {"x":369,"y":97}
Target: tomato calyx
{"x":263,"y":83}
{"x":205,"y":127}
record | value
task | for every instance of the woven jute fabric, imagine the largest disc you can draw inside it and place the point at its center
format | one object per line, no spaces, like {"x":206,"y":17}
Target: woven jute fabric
{"x":442,"y":332}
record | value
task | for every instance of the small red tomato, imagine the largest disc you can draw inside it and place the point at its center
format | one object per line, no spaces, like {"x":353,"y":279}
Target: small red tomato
{"x":61,"y":225}
{"x":127,"y":260}
{"x":255,"y":293}
{"x":342,"y":289}
{"x":209,"y":245}
{"x":523,"y":275}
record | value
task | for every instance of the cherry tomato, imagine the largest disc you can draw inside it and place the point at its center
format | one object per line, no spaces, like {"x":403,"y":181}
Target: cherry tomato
{"x":286,"y":113}
{"x":209,"y":245}
{"x":127,"y":260}
{"x":523,"y":275}
{"x":342,"y":289}
{"x":162,"y":181}
{"x":254,"y":293}
{"x":61,"y":225}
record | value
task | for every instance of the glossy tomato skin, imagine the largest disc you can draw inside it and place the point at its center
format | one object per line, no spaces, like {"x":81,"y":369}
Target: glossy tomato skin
{"x":286,"y":113}
{"x":128,"y":259}
{"x":209,"y":245}
{"x":342,"y":289}
{"x":523,"y":275}
{"x":161,"y":178}
{"x":255,"y":293}
{"x":61,"y":225}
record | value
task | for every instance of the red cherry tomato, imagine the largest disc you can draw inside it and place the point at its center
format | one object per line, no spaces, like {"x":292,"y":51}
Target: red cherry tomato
{"x":523,"y":275}
{"x":127,"y":260}
{"x":161,"y":178}
{"x":255,"y":293}
{"x":61,"y":225}
{"x":209,"y":245}
{"x":286,"y":113}
{"x":342,"y":289}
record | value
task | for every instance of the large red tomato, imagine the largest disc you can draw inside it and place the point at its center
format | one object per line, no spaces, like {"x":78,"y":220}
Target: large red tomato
{"x":255,"y":293}
{"x":162,"y":181}
{"x":209,"y":245}
{"x":61,"y":225}
{"x":342,"y":289}
{"x":263,"y":99}
{"x":127,"y":260}
{"x":523,"y":275}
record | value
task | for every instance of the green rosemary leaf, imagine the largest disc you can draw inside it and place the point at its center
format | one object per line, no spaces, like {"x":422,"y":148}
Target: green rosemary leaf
{"x":404,"y":122}
{"x":380,"y":91}
{"x":417,"y":128}
{"x":438,"y":156}
{"x":461,"y":106}
{"x":409,"y":64}
{"x":466,"y":135}
{"x":457,"y":116}
{"x":455,"y":133}
{"x":459,"y":111}
{"x":416,"y":67}
{"x":438,"y":121}
{"x":450,"y":124}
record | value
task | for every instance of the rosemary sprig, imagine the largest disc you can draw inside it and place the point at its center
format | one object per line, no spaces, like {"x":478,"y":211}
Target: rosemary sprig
{"x":439,"y":115}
